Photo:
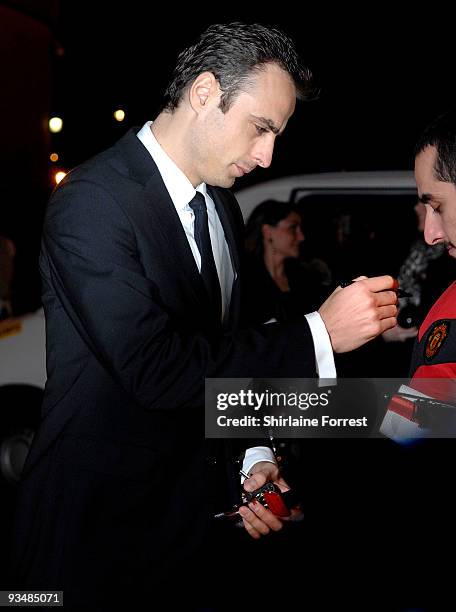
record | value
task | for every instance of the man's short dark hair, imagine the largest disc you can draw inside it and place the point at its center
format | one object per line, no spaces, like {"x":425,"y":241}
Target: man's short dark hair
{"x":441,"y":134}
{"x":233,"y":52}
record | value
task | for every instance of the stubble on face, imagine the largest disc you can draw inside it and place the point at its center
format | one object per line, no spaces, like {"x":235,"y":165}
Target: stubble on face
{"x":438,"y":196}
{"x":224,"y":146}
{"x":207,"y":151}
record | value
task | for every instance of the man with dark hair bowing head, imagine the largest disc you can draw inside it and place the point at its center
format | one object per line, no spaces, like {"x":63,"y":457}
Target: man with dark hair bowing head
{"x":433,"y":364}
{"x":141,"y":268}
{"x":434,"y":355}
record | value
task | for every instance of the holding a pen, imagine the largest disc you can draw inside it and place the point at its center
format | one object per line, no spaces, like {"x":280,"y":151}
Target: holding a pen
{"x":359,"y":312}
{"x":399,"y":292}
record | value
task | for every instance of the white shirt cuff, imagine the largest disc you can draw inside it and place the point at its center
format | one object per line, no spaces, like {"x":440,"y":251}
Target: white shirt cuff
{"x":324,"y":356}
{"x":255,"y":455}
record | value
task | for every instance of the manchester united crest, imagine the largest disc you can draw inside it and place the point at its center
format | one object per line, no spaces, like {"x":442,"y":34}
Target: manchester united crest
{"x":436,"y":339}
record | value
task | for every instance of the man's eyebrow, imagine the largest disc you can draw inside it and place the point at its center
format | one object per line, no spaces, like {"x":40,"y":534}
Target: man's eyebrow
{"x":425,"y":198}
{"x":267,"y":122}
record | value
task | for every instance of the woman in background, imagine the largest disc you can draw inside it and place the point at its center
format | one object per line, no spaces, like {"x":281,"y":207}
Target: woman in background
{"x":277,"y":284}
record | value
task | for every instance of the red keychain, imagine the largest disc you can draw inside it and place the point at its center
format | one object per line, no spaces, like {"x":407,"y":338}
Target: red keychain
{"x":275,"y":503}
{"x":269,"y":495}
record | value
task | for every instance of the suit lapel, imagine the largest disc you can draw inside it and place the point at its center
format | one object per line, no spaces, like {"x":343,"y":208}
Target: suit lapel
{"x":167,"y":224}
{"x":225,"y":214}
{"x":165,"y":221}
{"x":223,"y":210}
{"x":172,"y":234}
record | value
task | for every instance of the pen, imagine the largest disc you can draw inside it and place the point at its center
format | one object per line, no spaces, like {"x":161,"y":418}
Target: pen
{"x":400,"y":292}
{"x":235,"y":510}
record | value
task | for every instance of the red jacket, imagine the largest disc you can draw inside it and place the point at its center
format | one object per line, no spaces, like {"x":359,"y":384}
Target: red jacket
{"x":434,"y":354}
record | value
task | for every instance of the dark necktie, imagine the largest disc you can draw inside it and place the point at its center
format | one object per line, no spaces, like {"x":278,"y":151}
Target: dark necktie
{"x":203,"y":241}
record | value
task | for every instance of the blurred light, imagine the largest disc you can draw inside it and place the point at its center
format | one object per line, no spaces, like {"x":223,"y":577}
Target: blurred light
{"x":119,"y":115}
{"x":55,"y":124}
{"x":58,"y":176}
{"x":54,"y":157}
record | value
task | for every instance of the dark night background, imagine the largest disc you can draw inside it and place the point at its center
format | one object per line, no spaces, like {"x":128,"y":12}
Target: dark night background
{"x":380,"y":80}
{"x":379,"y":84}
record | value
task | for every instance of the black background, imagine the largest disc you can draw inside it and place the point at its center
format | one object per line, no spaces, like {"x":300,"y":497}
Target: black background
{"x":381,"y":79}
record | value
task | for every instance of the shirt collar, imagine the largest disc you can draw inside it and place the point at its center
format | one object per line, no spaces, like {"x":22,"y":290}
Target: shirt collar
{"x":179,"y":187}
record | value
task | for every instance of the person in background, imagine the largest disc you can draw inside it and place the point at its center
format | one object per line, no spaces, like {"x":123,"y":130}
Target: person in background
{"x":429,"y":464}
{"x":434,"y":355}
{"x":415,"y":278}
{"x":277,"y":285}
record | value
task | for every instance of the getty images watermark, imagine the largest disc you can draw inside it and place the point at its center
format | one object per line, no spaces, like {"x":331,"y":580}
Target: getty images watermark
{"x":274,"y":400}
{"x":299,"y":408}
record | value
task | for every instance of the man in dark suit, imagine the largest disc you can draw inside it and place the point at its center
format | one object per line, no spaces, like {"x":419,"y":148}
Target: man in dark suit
{"x":113,"y":497}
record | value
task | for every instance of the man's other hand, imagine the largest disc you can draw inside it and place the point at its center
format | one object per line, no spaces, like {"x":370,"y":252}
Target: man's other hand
{"x":360,"y":312}
{"x":258,"y":520}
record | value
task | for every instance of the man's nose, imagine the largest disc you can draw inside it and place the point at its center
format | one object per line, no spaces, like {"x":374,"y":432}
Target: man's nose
{"x":433,"y":230}
{"x":263,"y":151}
{"x":300,"y":235}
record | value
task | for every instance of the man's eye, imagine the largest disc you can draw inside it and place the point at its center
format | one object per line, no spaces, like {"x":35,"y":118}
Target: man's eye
{"x":436,"y":210}
{"x":260,"y":130}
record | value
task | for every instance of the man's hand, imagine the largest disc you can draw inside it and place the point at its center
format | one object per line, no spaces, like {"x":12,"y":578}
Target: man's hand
{"x":258,"y":520}
{"x":360,"y":312}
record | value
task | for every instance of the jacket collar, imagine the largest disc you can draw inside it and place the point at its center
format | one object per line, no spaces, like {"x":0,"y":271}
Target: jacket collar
{"x":142,"y":168}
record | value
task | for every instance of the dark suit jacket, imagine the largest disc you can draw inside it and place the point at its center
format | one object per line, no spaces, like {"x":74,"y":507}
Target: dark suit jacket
{"x":112,"y":490}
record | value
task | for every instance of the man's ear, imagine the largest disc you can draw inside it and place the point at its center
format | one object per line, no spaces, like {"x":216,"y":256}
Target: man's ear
{"x":266,"y":231}
{"x":204,"y":89}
